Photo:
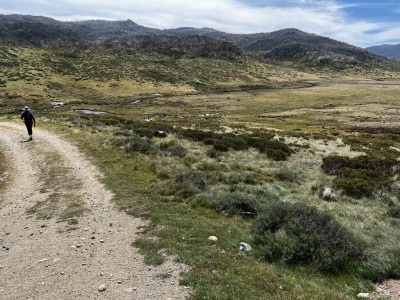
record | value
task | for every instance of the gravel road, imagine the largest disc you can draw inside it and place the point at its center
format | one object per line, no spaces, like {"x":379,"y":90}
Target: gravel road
{"x":40,"y":259}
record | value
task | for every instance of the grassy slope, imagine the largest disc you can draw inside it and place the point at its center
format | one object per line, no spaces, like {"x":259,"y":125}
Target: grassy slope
{"x":219,"y":271}
{"x":310,"y":118}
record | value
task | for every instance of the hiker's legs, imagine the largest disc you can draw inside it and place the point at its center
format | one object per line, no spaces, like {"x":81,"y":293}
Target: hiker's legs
{"x":29,"y":128}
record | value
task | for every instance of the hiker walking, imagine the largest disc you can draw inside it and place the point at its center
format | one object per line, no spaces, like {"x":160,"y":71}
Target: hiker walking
{"x":29,"y":120}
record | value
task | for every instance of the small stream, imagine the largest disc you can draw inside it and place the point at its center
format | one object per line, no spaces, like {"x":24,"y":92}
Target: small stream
{"x":90,"y":112}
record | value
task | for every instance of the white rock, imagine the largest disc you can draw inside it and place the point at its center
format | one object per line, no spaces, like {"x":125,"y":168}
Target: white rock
{"x":328,"y":194}
{"x":102,"y":288}
{"x":213,"y":238}
{"x":363,"y":296}
{"x":244,"y":247}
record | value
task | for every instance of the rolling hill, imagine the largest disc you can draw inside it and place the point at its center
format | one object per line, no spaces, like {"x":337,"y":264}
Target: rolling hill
{"x":287,"y":44}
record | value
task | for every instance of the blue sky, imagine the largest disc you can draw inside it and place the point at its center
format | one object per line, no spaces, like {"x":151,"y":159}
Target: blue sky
{"x":359,"y":22}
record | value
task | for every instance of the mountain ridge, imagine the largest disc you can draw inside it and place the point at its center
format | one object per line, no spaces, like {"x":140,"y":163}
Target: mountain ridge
{"x":387,"y":50}
{"x":285,"y":44}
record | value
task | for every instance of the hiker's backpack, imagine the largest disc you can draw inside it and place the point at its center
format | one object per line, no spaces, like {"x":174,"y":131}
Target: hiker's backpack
{"x":28,"y":117}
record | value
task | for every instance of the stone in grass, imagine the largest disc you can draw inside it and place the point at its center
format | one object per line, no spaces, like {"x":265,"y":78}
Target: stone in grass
{"x":213,"y":238}
{"x":102,"y":288}
{"x":328,"y":195}
{"x":363,"y":296}
{"x":244,"y":247}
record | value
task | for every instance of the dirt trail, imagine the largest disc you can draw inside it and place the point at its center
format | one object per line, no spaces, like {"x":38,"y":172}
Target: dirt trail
{"x":40,"y":259}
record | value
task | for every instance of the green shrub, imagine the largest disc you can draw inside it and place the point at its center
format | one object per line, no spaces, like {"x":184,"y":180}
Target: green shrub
{"x":211,"y":165}
{"x":197,"y":135}
{"x":239,"y":143}
{"x":246,"y":177}
{"x":135,"y":143}
{"x":394,"y":212}
{"x":331,"y":164}
{"x":125,"y":133}
{"x":178,"y":150}
{"x":174,"y":149}
{"x":285,"y":174}
{"x":274,"y":149}
{"x":193,"y":178}
{"x":145,"y":132}
{"x":301,"y":234}
{"x":215,"y":154}
{"x":237,"y":201}
{"x":222,"y":146}
{"x":360,"y":182}
{"x":381,"y":262}
{"x":362,"y":176}
{"x":236,"y":204}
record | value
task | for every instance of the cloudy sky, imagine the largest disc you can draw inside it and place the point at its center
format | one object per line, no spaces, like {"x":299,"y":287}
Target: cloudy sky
{"x":358,"y":22}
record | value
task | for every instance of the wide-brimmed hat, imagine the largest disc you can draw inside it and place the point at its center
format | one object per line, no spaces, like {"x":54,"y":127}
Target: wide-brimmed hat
{"x":26,"y":108}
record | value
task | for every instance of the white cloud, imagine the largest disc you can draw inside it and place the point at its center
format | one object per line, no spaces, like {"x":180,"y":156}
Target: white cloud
{"x":324,"y":17}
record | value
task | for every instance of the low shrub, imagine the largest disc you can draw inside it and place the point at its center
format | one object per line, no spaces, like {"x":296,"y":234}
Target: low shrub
{"x":184,"y":185}
{"x":133,"y":143}
{"x":362,"y":176}
{"x":301,"y":234}
{"x":215,"y":154}
{"x":361,"y":182}
{"x":394,"y":212}
{"x":286,"y":174}
{"x":145,"y":132}
{"x":332,"y":164}
{"x":246,"y":177}
{"x":381,"y":262}
{"x":138,"y":144}
{"x":222,"y":146}
{"x":274,"y":149}
{"x":192,"y":178}
{"x":178,"y":151}
{"x":211,"y":165}
{"x":173,"y":148}
{"x":239,"y":143}
{"x":125,"y":133}
{"x":236,"y":204}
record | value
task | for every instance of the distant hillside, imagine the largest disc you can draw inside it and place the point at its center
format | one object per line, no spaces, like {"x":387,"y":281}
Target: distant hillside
{"x":37,"y":31}
{"x":286,"y":44}
{"x":46,"y":32}
{"x":105,"y":30}
{"x":290,"y":44}
{"x":390,"y":51}
{"x":190,"y":46}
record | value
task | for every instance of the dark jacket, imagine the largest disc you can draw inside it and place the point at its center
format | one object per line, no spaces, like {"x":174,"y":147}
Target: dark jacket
{"x":28,"y":117}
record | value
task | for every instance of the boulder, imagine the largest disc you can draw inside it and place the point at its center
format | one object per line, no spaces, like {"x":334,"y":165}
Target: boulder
{"x":328,"y":194}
